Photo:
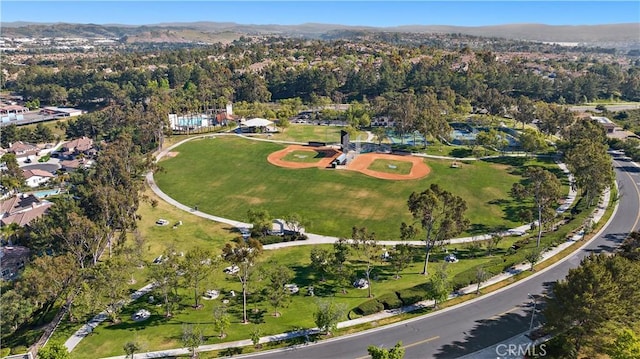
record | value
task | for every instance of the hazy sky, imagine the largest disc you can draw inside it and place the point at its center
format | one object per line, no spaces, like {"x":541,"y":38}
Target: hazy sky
{"x":372,"y":13}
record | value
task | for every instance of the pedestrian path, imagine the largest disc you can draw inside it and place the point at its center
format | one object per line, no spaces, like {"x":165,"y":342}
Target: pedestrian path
{"x":484,"y":353}
{"x":86,"y":329}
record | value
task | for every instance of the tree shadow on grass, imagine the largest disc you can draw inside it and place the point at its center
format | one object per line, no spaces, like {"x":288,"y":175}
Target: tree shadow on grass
{"x":461,"y":152}
{"x":510,"y":161}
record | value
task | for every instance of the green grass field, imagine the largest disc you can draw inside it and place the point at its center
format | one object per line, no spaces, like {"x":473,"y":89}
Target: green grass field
{"x":159,"y":333}
{"x":304,"y":133}
{"x":332,"y":201}
{"x":304,"y":156}
{"x":389,"y":166}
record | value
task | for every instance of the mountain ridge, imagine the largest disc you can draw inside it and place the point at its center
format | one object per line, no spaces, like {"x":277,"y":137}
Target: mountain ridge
{"x":588,"y":34}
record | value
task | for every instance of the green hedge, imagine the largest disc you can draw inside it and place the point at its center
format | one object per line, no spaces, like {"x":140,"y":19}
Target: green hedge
{"x":369,"y":307}
{"x":468,"y":277}
{"x":390,"y":301}
{"x":412,"y":295}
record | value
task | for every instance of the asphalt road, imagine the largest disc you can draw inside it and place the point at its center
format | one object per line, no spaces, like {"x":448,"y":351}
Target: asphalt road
{"x":491,"y":319}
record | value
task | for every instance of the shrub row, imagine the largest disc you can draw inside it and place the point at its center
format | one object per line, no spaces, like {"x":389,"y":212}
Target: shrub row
{"x":369,"y":307}
{"x":392,"y":300}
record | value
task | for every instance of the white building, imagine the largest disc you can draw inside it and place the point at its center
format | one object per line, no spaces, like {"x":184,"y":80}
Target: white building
{"x":36,"y":177}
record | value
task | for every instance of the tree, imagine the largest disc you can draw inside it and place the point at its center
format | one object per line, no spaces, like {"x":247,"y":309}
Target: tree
{"x":481,"y":276}
{"x":533,"y":256}
{"x":261,"y":221}
{"x":55,"y":350}
{"x":544,"y":188}
{"x":526,"y":111}
{"x":493,"y":241}
{"x":295,"y":223}
{"x":400,"y":258}
{"x":192,"y":338}
{"x":490,"y":139}
{"x":441,"y":216}
{"x":327,"y":315}
{"x":244,"y":255}
{"x":167,"y":280}
{"x":197,"y":266}
{"x":12,"y":178}
{"x":83,"y":238}
{"x":130,"y":348}
{"x":397,"y":352}
{"x":221,"y":320}
{"x":255,"y":335}
{"x":601,"y":294}
{"x":340,"y":251}
{"x":531,"y":141}
{"x":591,"y":166}
{"x":625,"y":346}
{"x":367,"y":249}
{"x":320,"y":261}
{"x":109,"y":286}
{"x":15,"y":310}
{"x":438,"y":286}
{"x":278,"y":276}
{"x":431,"y":119}
{"x":48,"y":278}
{"x":380,"y":134}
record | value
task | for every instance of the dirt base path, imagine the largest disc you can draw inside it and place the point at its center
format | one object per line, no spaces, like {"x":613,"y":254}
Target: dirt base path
{"x":277,"y":158}
{"x":361,"y":163}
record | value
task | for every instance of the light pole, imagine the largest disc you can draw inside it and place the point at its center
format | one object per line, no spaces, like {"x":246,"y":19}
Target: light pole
{"x":533,"y":312}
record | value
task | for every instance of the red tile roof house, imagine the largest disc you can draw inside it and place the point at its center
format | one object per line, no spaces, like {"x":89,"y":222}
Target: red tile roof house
{"x":23,"y":149}
{"x":36,"y":177}
{"x":75,"y":147}
{"x":22,"y":209}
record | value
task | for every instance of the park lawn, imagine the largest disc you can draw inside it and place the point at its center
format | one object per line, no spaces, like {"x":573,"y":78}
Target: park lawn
{"x":159,"y":333}
{"x":304,"y":156}
{"x":390,"y":166}
{"x":305,"y":133}
{"x":331,"y":201}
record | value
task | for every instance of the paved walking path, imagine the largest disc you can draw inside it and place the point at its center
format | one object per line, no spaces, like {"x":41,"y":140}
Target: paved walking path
{"x":489,"y":352}
{"x":86,"y":329}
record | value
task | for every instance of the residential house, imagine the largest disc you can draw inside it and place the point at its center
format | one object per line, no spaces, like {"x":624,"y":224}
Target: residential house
{"x":22,"y":209}
{"x":13,"y":260}
{"x":72,"y":165}
{"x":606,"y":123}
{"x":23,"y":149}
{"x":73,"y":148}
{"x":36,"y":177}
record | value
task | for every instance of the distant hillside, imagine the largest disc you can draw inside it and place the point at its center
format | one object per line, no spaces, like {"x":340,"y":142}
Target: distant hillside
{"x":625,"y":34}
